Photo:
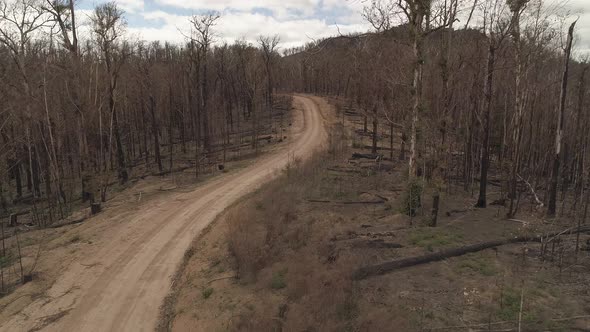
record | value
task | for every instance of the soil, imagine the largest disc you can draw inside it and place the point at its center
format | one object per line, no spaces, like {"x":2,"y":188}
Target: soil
{"x":112,"y":272}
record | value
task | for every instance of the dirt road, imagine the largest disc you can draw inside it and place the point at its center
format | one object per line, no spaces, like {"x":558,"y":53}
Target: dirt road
{"x":119,"y":285}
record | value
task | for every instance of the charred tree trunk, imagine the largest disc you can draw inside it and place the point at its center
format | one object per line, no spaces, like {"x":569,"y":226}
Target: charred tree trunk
{"x":375,"y":128}
{"x":391,"y":132}
{"x":560,"y":119}
{"x":156,"y":133}
{"x":122,"y":168}
{"x":487,"y":110}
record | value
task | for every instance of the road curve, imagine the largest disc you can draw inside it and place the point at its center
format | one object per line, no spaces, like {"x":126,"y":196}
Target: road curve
{"x":123,"y":283}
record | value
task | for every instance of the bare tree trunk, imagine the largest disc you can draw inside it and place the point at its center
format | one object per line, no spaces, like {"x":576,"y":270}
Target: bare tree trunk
{"x":375,"y":128}
{"x":205,"y":87}
{"x":487,"y":110}
{"x":391,"y":141}
{"x":170,"y":127}
{"x":156,"y":133}
{"x":122,"y":168}
{"x":560,"y":119}
{"x":519,"y":110}
{"x":417,"y":88}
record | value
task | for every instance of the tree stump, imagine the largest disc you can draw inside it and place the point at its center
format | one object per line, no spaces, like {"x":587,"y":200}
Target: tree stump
{"x":27,"y":278}
{"x":95,"y":208}
{"x":435,"y":204}
{"x":13,"y":220}
{"x":86,"y":193}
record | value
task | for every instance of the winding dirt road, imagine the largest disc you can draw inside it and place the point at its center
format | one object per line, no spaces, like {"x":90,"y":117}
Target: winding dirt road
{"x":122,"y":283}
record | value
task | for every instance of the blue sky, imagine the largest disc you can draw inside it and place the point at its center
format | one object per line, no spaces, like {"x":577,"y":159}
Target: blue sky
{"x":295,"y":21}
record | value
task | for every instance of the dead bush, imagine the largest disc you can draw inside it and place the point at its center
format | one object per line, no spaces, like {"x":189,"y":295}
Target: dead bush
{"x":322,"y":299}
{"x":247,"y":239}
{"x":259,"y":322}
{"x":260,"y":233}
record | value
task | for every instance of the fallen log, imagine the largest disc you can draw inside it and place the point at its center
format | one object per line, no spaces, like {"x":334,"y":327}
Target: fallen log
{"x":360,"y":202}
{"x":383,"y":268}
{"x":69,"y":223}
{"x":318,"y":201}
{"x":377,"y":244}
{"x":366,"y":156}
{"x":448,"y":213}
{"x":18,"y":214}
{"x":379,"y":148}
{"x":361,"y":132}
{"x":379,"y":167}
{"x":376,"y":195}
{"x":492,"y":182}
{"x":505,"y":322}
{"x":334,"y":169}
{"x":346,"y":202}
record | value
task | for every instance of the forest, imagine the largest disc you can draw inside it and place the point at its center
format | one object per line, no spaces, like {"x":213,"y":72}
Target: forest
{"x":465,"y":100}
{"x":81,"y":115}
{"x":501,"y":103}
{"x":485,"y":99}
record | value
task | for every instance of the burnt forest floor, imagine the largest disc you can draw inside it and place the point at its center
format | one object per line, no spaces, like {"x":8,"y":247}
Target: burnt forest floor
{"x":285,"y":257}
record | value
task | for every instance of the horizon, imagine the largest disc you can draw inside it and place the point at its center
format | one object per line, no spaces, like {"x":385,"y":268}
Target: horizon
{"x":168,"y":20}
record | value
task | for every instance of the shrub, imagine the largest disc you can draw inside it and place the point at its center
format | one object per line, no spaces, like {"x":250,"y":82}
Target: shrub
{"x":278,"y":280}
{"x":412,"y":199}
{"x":206,"y":293}
{"x":247,"y":239}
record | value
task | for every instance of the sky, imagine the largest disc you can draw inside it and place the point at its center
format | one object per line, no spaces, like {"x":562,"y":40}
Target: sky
{"x":295,"y":21}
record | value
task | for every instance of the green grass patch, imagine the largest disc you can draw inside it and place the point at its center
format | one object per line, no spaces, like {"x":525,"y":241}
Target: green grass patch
{"x":510,"y":307}
{"x":259,"y":206}
{"x":477,"y":263}
{"x":431,"y":238}
{"x":278,"y":280}
{"x":7,"y":260}
{"x":348,"y":310}
{"x":207,"y":292}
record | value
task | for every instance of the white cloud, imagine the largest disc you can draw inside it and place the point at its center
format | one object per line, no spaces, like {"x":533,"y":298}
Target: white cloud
{"x":296,"y":21}
{"x":280,"y":8}
{"x":130,"y":6}
{"x":582,"y":8}
{"x":246,"y":26}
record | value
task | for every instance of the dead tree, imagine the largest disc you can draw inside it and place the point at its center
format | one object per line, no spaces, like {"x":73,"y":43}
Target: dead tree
{"x":421,"y":22}
{"x":560,"y":120}
{"x":516,"y":7}
{"x":496,"y":33}
{"x":202,"y":36}
{"x":63,"y":13}
{"x":269,"y":48}
{"x":108,"y":25}
{"x":19,"y":21}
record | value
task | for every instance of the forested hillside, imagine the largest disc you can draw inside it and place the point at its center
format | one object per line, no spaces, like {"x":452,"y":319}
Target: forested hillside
{"x":466,"y":102}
